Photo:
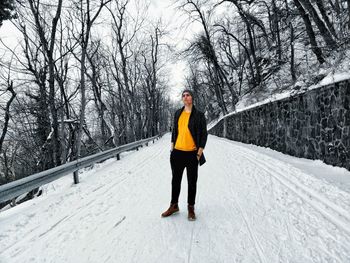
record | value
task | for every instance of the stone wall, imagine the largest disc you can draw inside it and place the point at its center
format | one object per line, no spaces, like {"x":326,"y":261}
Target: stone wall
{"x":314,"y":125}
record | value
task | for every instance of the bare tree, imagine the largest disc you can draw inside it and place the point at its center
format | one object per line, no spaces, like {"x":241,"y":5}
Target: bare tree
{"x":324,"y":31}
{"x":7,"y":112}
{"x":86,"y":19}
{"x":98,"y":62}
{"x":48,"y":44}
{"x":315,"y":48}
{"x":204,"y":45}
{"x":124,"y":33}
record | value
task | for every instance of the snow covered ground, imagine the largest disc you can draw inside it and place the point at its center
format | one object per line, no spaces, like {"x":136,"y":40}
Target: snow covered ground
{"x":253,"y":205}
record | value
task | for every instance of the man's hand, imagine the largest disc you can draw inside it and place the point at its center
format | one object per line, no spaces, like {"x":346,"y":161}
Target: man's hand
{"x":172,"y":147}
{"x":199,"y":153}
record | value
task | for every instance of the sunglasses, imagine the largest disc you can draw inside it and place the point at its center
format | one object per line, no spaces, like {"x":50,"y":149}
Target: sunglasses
{"x":186,"y":95}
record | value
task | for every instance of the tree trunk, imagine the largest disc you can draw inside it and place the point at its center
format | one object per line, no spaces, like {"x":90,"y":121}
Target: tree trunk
{"x":348,"y":4}
{"x":83,"y":102}
{"x":7,"y":114}
{"x":290,"y":25}
{"x":319,"y":23}
{"x":292,"y":65}
{"x":85,"y":37}
{"x":325,"y":17}
{"x":317,"y":51}
{"x":277,"y":31}
{"x":48,"y":50}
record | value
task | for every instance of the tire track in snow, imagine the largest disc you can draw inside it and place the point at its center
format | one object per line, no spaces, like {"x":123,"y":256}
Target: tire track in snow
{"x":191,"y":243}
{"x":102,"y":191}
{"x":338,"y":216}
{"x":237,"y":155}
{"x":251,"y":232}
{"x":254,"y":239}
{"x":258,"y":190}
{"x":99,"y":193}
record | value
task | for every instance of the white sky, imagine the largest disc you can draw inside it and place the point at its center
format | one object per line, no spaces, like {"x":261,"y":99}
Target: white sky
{"x":180,"y":31}
{"x":178,"y":27}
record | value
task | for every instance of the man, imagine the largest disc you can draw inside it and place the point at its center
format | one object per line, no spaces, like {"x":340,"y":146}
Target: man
{"x":188,"y":139}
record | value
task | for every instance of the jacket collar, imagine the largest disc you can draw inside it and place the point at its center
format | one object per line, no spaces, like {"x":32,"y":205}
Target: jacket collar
{"x":193,"y":109}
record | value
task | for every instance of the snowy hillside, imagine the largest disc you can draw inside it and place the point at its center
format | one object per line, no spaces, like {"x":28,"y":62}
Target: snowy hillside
{"x":253,"y":205}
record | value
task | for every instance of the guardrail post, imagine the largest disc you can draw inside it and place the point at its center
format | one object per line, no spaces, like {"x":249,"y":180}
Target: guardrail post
{"x":76,"y":177}
{"x":118,"y":156}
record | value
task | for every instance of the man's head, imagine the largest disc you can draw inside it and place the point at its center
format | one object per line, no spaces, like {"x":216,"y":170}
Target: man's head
{"x":187,"y":97}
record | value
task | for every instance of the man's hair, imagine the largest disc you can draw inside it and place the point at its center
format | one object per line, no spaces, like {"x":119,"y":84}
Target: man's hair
{"x":188,"y":91}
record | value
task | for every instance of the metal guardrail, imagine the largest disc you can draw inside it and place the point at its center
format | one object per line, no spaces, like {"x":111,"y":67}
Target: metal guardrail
{"x":13,"y":189}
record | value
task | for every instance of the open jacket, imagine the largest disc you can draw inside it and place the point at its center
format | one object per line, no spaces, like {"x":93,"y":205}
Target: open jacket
{"x":197,"y":126}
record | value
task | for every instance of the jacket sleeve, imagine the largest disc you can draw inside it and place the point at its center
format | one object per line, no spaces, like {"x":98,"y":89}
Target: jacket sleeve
{"x":204,"y":132}
{"x":173,"y":130}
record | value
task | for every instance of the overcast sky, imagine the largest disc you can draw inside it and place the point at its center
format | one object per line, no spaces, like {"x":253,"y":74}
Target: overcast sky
{"x":180,"y":31}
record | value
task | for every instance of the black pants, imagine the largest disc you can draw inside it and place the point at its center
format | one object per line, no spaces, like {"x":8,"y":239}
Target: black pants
{"x":179,"y":160}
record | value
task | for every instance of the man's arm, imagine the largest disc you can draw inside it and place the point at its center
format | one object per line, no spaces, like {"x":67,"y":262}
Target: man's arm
{"x":173,"y":133}
{"x":204,"y":135}
{"x":204,"y":132}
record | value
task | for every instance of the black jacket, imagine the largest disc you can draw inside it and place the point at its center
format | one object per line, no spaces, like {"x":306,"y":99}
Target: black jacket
{"x":197,"y":126}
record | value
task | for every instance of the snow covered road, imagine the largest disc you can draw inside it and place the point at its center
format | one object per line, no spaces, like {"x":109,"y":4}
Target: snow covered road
{"x":252,"y":205}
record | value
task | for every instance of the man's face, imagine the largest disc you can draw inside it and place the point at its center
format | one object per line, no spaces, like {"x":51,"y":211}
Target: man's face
{"x":187,"y":98}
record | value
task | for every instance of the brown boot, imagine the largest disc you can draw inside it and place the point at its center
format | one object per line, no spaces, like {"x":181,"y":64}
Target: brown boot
{"x":191,"y":214}
{"x":171,"y":210}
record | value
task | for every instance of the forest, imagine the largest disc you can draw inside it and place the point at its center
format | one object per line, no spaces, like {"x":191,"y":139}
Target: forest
{"x":89,"y":75}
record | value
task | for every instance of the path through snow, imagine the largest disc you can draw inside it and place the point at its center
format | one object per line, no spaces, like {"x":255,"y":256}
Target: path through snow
{"x":251,"y":207}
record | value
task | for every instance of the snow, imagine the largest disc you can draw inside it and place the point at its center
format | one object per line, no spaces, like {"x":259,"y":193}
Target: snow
{"x":245,"y":104}
{"x":333,"y":78}
{"x":337,"y":176}
{"x":253,"y":205}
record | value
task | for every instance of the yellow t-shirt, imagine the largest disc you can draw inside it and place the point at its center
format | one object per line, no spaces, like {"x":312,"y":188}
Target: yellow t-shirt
{"x":184,"y":141}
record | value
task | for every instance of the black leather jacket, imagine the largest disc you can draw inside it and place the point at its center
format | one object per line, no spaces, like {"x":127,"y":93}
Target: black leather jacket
{"x":197,"y":126}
